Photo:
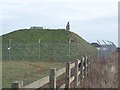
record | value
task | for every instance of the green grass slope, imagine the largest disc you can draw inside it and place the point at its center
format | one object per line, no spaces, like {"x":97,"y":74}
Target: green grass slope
{"x":33,"y":35}
{"x":53,"y":46}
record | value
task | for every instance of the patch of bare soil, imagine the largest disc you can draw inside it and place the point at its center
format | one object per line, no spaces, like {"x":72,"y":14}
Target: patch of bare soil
{"x":102,"y":74}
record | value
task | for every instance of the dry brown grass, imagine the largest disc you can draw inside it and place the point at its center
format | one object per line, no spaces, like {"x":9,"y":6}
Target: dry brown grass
{"x":103,"y":73}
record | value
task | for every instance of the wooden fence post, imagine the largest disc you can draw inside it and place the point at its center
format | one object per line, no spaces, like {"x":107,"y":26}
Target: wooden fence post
{"x":86,"y":66}
{"x":17,"y":85}
{"x":68,"y":74}
{"x":52,"y":78}
{"x":76,"y":73}
{"x":82,"y":68}
{"x":89,"y":62}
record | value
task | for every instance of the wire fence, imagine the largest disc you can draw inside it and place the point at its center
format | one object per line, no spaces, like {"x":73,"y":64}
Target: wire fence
{"x":106,"y":50}
{"x":42,"y":51}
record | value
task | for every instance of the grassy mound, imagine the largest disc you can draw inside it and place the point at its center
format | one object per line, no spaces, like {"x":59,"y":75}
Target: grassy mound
{"x":44,"y":45}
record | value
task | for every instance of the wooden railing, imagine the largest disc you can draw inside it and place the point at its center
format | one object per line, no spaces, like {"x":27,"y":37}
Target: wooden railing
{"x":80,"y":72}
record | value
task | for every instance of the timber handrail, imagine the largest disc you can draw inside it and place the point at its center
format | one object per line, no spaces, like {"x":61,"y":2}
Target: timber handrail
{"x":81,"y":70}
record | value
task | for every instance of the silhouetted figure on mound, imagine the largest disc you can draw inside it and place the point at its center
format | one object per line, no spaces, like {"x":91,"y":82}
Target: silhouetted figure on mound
{"x":68,"y":27}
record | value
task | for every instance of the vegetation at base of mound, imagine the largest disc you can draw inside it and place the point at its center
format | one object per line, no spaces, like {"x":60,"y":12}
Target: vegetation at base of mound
{"x":26,"y":71}
{"x":53,"y":45}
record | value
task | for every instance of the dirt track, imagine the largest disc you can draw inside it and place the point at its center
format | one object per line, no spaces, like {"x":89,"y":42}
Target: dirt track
{"x":103,"y":73}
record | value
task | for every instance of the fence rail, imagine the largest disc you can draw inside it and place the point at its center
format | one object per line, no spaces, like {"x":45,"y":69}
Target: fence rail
{"x":80,"y":71}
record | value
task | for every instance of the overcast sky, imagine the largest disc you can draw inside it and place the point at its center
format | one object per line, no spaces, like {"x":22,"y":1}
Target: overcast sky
{"x":91,"y":19}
